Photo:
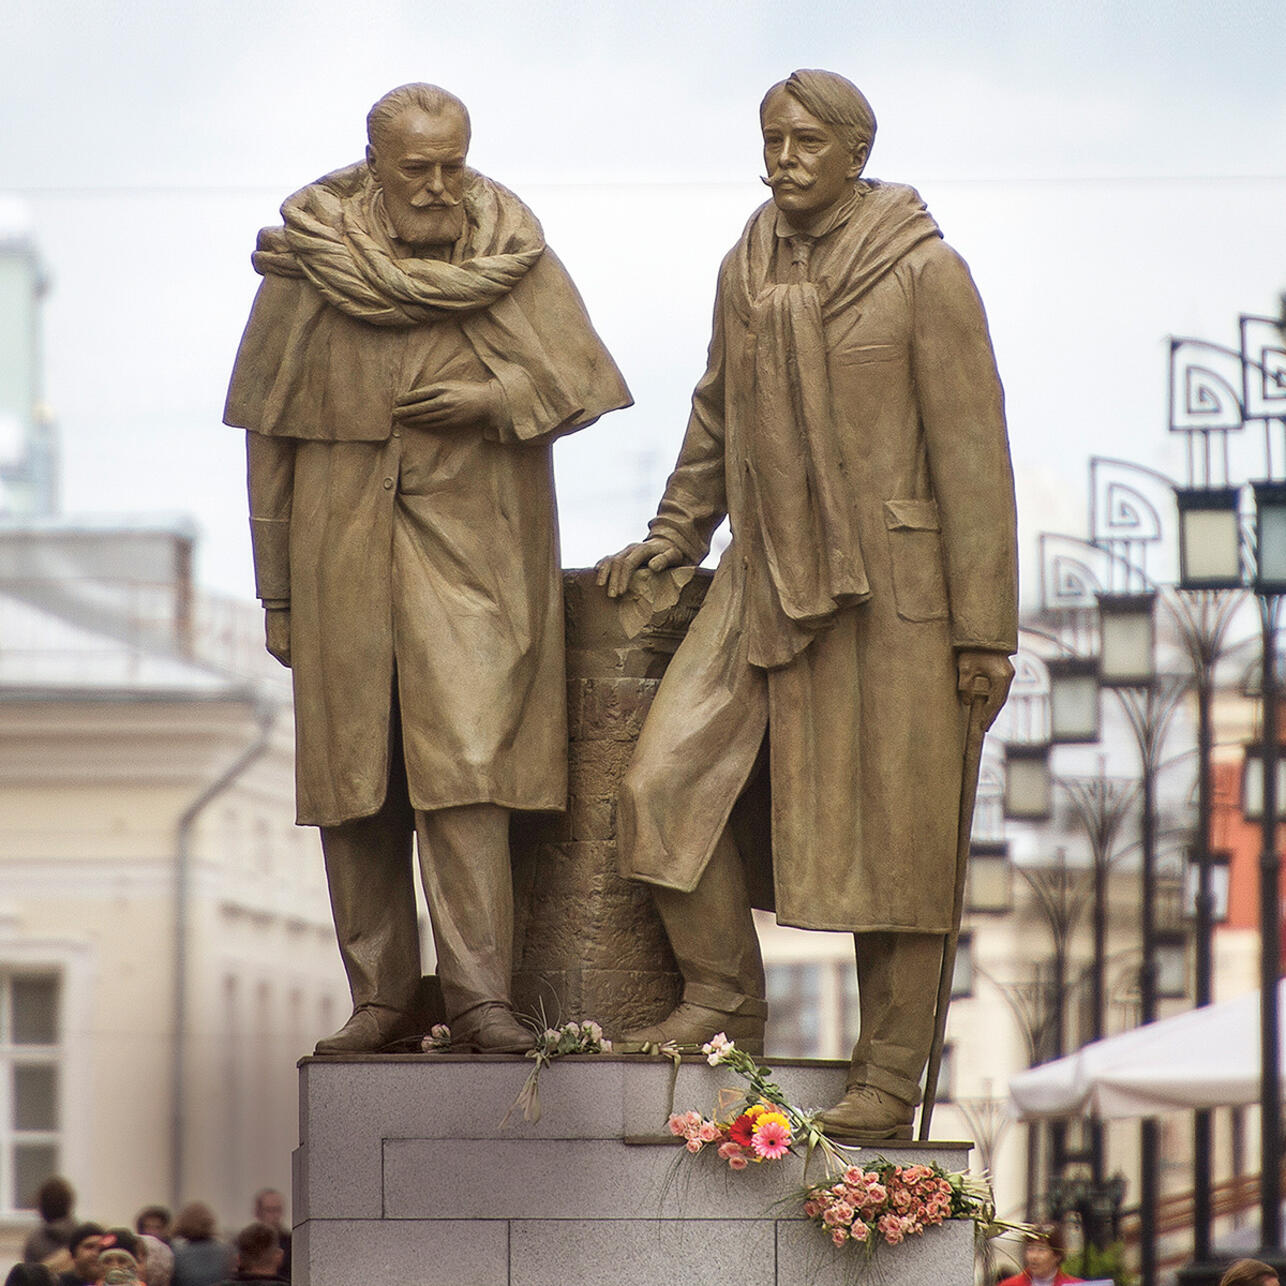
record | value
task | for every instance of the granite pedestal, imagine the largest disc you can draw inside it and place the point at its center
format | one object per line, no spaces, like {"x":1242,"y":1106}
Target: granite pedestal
{"x":404,"y":1174}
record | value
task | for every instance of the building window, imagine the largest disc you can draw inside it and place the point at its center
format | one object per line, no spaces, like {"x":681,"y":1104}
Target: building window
{"x":30,"y":1023}
{"x":794,"y":1010}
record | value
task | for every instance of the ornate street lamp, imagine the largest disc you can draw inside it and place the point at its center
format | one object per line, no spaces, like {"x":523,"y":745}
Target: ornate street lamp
{"x":1215,"y":391}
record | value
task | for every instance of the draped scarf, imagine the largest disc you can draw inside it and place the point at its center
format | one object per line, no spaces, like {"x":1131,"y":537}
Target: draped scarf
{"x":800,"y":500}
{"x":330,"y":238}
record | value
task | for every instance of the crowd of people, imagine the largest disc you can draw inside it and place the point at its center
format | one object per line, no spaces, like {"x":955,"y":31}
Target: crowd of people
{"x":160,"y":1250}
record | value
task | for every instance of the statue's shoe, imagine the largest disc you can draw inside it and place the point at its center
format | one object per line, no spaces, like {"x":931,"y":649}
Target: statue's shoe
{"x":368,"y":1031}
{"x":739,"y":1018}
{"x":490,"y":1028}
{"x":866,"y":1113}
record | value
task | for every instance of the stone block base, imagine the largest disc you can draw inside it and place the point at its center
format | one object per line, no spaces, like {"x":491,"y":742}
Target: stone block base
{"x":404,"y":1173}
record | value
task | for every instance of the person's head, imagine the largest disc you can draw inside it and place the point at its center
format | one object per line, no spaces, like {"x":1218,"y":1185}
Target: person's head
{"x":1044,"y":1252}
{"x":86,"y":1242}
{"x":30,"y":1275}
{"x":117,"y":1265}
{"x":55,"y":1198}
{"x":152,"y":1221}
{"x":195,"y":1222}
{"x":270,"y":1208}
{"x":1249,"y":1272}
{"x":259,"y":1250}
{"x":158,"y":1262}
{"x":417,"y":142}
{"x":119,"y":1239}
{"x":818,"y":129}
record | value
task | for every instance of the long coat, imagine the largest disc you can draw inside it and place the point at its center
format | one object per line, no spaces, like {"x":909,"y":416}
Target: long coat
{"x":864,"y":725}
{"x":421,"y":568}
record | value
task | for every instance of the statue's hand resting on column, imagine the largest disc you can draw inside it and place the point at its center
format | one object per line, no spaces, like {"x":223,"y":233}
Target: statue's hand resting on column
{"x":995,"y":668}
{"x":615,"y":570}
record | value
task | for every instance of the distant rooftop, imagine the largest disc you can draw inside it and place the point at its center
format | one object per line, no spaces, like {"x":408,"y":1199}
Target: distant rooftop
{"x":47,"y":655}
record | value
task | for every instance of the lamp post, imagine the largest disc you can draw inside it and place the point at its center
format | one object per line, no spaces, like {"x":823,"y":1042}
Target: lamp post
{"x":1215,"y":392}
{"x":1104,"y":582}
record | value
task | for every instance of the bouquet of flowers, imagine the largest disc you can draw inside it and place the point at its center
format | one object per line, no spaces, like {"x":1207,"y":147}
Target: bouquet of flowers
{"x":879,"y":1202}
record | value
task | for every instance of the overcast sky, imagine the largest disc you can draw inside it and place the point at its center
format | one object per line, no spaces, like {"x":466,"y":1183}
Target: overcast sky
{"x":1113,"y":172}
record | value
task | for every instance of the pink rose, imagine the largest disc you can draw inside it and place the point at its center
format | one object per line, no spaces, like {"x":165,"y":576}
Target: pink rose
{"x":854,"y":1175}
{"x":708,"y":1132}
{"x":859,"y":1231}
{"x":738,"y":1162}
{"x":839,"y":1236}
{"x":694,"y":1145}
{"x":677,"y":1125}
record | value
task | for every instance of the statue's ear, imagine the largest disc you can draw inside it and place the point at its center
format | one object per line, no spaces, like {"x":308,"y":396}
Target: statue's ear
{"x":370,"y":159}
{"x":860,"y":156}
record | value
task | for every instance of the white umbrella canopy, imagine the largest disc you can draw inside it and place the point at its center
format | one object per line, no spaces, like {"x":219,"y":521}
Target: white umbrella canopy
{"x":1206,"y":1057}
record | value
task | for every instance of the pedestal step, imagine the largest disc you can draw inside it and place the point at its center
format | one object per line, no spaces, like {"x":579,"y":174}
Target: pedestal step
{"x":404,"y":1173}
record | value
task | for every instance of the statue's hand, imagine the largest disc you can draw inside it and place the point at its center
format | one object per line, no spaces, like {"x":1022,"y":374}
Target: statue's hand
{"x":615,"y":570}
{"x":996,"y":672}
{"x":452,"y":404}
{"x":276,"y":628}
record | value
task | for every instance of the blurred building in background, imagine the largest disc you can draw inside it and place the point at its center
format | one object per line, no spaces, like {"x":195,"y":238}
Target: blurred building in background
{"x":166,"y":951}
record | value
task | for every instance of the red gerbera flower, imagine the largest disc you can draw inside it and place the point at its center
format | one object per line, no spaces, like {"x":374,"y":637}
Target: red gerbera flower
{"x":742,"y":1130}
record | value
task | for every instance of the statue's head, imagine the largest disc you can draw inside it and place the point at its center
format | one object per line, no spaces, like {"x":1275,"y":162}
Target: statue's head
{"x":417,"y":141}
{"x":818,"y":129}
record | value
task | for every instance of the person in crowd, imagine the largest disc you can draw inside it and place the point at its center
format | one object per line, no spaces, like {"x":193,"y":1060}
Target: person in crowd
{"x":1043,"y":1260}
{"x":153,"y":1221}
{"x":158,"y":1263}
{"x":54,"y":1201}
{"x":200,"y":1259}
{"x":119,"y":1267}
{"x":270,"y":1208}
{"x":120,"y":1239}
{"x":85,"y":1245}
{"x":25,"y":1274}
{"x":1250,"y":1272}
{"x":259,"y":1257}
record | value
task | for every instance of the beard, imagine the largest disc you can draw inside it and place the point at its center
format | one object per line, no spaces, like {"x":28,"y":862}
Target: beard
{"x":430,"y":226}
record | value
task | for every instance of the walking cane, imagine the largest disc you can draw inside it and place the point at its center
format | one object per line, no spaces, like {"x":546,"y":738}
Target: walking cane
{"x":968,"y":788}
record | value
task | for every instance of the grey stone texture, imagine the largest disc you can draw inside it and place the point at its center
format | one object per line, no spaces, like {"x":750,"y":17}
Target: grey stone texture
{"x":405,"y":1173}
{"x":588,"y":943}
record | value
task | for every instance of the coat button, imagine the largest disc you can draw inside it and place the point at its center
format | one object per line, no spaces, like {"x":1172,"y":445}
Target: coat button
{"x":388,"y":484}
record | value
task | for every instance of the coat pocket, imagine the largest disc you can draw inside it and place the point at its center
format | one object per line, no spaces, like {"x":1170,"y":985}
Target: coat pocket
{"x":915,"y":553}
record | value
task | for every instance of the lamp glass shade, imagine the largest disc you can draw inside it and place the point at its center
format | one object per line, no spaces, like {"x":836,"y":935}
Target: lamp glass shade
{"x":1171,"y":968}
{"x":1270,"y":537}
{"x":1127,"y":656}
{"x":1220,"y":882}
{"x":1252,"y":784}
{"x":1029,"y":787}
{"x":990,"y":884}
{"x":1209,"y":539}
{"x":1073,"y":701}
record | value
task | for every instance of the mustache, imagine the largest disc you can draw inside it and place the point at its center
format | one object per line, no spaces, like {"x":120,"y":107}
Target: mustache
{"x":780,"y":177}
{"x":443,"y":202}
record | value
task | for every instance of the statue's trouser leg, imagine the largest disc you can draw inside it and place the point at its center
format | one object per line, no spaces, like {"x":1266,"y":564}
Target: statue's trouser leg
{"x":711,"y":929}
{"x":372,"y":898}
{"x":468,"y":884}
{"x":897,"y":979}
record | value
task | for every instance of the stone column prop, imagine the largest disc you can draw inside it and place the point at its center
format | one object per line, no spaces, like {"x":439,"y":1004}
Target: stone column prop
{"x":588,"y":944}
